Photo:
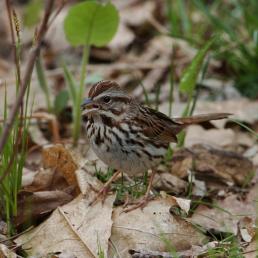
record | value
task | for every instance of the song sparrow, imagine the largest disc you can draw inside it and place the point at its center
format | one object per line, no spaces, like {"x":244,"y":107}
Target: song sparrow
{"x":127,"y":136}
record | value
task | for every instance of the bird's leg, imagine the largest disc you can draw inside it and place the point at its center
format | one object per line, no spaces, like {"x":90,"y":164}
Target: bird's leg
{"x":102,"y":193}
{"x":144,"y":201}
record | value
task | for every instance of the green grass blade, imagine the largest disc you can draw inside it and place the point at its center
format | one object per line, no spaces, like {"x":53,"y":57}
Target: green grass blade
{"x":186,"y":25}
{"x":146,"y":96}
{"x":215,"y":21}
{"x":190,"y":75}
{"x":244,"y":126}
{"x":70,"y":82}
{"x":43,"y":82}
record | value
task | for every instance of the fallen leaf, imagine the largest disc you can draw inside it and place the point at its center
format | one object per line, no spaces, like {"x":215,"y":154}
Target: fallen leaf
{"x":215,"y":137}
{"x":169,"y":183}
{"x":247,"y":228}
{"x":225,"y":214}
{"x":250,"y":251}
{"x":184,"y":204}
{"x":86,"y":181}
{"x":33,"y":205}
{"x":75,"y":228}
{"x":143,"y":229}
{"x":5,"y":252}
{"x":194,"y":251}
{"x":211,"y":164}
{"x":37,"y":136}
{"x":59,"y":158}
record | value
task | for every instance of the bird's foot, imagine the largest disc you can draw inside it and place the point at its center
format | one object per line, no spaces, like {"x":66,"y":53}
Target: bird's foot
{"x":101,"y":195}
{"x":103,"y":192}
{"x":139,"y":204}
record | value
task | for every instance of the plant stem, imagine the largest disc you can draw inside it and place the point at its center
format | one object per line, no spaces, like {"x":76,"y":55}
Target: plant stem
{"x":77,"y":108}
{"x":171,"y":82}
{"x":43,"y":82}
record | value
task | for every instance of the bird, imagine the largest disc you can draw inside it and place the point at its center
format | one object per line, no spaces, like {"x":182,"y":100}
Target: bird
{"x":128,"y":136}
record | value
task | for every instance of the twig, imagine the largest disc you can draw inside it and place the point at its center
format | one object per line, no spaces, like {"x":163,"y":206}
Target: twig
{"x":61,"y":6}
{"x":26,"y":80}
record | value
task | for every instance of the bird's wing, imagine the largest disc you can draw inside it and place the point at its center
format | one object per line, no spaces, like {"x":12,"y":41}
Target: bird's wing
{"x":157,"y":126}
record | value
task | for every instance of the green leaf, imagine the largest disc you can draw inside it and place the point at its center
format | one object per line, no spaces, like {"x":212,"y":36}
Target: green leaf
{"x":61,"y":101}
{"x":190,"y":75}
{"x":70,"y":82}
{"x":91,"y":23}
{"x":32,"y":13}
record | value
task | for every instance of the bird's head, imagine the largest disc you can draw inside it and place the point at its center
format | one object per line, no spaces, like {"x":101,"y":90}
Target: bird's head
{"x":105,"y":98}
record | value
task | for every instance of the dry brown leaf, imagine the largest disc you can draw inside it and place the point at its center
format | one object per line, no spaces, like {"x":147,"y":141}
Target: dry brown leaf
{"x":183,"y":204}
{"x":169,"y":183}
{"x":216,"y":137}
{"x":43,"y":180}
{"x":247,"y":228}
{"x":86,"y":181}
{"x":37,"y":136}
{"x":5,"y":252}
{"x":194,"y":251}
{"x":27,"y":177}
{"x":212,"y":164}
{"x":59,"y":158}
{"x":226,"y":216}
{"x":251,"y":250}
{"x":33,"y":205}
{"x":142,"y":229}
{"x":75,"y":228}
{"x":37,"y":181}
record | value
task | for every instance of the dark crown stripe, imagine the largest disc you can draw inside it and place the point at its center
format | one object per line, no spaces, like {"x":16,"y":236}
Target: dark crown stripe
{"x":102,"y":86}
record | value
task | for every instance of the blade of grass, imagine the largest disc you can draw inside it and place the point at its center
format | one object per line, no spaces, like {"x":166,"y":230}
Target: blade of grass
{"x":244,"y":126}
{"x":79,"y":95}
{"x":70,"y":82}
{"x":215,"y":20}
{"x":27,"y":76}
{"x":43,"y":82}
{"x":186,"y":25}
{"x":188,"y":83}
{"x":171,"y":84}
{"x":146,"y":96}
{"x":157,"y":95}
{"x":189,"y":78}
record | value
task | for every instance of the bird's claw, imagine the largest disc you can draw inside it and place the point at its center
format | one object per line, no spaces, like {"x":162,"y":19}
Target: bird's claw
{"x":139,"y":204}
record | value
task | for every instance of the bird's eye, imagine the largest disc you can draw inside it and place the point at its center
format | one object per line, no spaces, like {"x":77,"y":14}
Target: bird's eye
{"x":106,"y":99}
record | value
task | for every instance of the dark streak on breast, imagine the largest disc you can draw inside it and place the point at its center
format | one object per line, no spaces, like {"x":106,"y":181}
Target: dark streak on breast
{"x":117,"y":138}
{"x":107,"y":121}
{"x":98,"y":139}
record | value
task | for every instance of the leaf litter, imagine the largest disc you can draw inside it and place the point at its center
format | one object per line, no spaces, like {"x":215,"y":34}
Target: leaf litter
{"x":220,"y":178}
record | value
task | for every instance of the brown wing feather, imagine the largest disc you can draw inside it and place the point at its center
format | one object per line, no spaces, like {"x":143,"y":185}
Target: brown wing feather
{"x":201,"y":118}
{"x":160,"y":127}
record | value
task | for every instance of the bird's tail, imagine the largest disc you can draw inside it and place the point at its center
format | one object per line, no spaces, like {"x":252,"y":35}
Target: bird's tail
{"x":201,"y":118}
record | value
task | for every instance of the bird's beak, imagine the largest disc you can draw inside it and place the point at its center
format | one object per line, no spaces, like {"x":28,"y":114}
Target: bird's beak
{"x":88,"y":105}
